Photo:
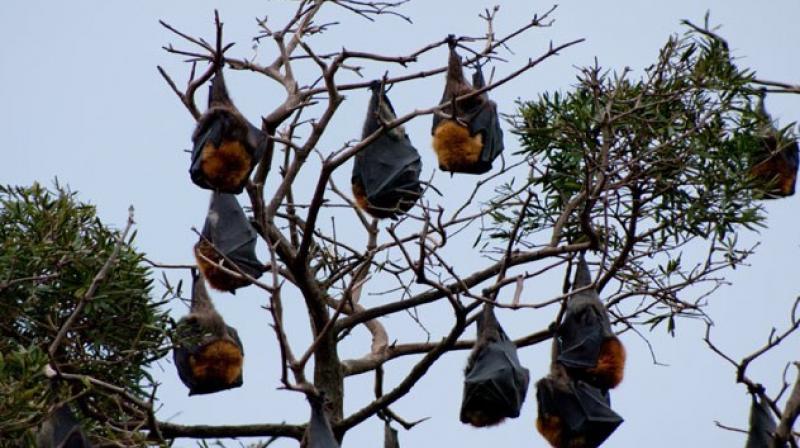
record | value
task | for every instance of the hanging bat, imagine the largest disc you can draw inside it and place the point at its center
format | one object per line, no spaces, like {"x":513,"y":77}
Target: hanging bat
{"x":762,"y":425}
{"x":318,"y":432}
{"x":390,"y":439}
{"x":778,"y":171}
{"x":470,"y":139}
{"x":226,"y":146}
{"x":495,"y":383}
{"x":61,"y":430}
{"x":227,"y":233}
{"x":208,"y":353}
{"x":385,"y":176}
{"x":587,"y":346}
{"x":775,"y":166}
{"x":573,"y":414}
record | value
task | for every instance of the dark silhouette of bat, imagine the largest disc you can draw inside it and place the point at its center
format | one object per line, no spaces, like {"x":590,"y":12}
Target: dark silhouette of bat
{"x":227,"y":233}
{"x":573,"y":414}
{"x":762,"y":425}
{"x":386,"y":173}
{"x":470,"y":138}
{"x":226,"y":146}
{"x":495,"y":383}
{"x":318,"y":432}
{"x":587,"y":346}
{"x":61,"y":430}
{"x":208,"y":353}
{"x":390,"y":439}
{"x":775,"y":166}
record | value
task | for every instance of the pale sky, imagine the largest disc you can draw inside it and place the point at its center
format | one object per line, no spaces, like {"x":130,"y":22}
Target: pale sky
{"x":83,"y":102}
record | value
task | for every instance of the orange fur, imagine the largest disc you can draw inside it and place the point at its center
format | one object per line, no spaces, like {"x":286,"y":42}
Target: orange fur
{"x":481,"y":418}
{"x":363,"y":203}
{"x":216,"y":277}
{"x":360,"y":196}
{"x":549,"y":426}
{"x":610,"y":367}
{"x":455,"y":148}
{"x":778,"y":178}
{"x":219,"y":362}
{"x":225,"y":167}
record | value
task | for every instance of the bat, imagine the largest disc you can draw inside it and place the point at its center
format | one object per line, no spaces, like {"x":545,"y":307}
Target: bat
{"x":775,"y":167}
{"x":390,"y":439}
{"x":495,"y":383}
{"x":386,"y":172}
{"x":226,"y":146}
{"x":573,"y":414}
{"x":762,"y":425}
{"x":318,"y":432}
{"x":227,"y":233}
{"x":776,"y":170}
{"x":470,"y":138}
{"x":587,"y":346}
{"x":207,"y":352}
{"x":61,"y":430}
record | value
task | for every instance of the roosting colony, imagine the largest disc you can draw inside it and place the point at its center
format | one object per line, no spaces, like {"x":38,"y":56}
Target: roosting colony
{"x":588,"y":359}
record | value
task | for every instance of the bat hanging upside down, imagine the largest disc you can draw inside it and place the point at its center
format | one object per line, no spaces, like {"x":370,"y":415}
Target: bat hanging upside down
{"x":226,"y":146}
{"x":385,"y":177}
{"x":208,"y":353}
{"x":469,"y":138}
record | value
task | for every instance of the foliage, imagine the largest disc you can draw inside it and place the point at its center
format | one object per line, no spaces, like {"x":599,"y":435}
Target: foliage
{"x":53,"y":246}
{"x":641,"y":167}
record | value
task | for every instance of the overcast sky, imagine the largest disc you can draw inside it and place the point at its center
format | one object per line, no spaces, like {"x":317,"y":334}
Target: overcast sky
{"x":83,"y":102}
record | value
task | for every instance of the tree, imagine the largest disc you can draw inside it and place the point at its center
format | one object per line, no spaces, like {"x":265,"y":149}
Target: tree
{"x":630,"y":170}
{"x":75,"y":297}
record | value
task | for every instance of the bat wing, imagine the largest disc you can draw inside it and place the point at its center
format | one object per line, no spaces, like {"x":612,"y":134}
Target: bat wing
{"x":319,"y":433}
{"x":495,"y":380}
{"x":762,"y":425}
{"x":208,"y":131}
{"x":257,"y":140}
{"x":63,"y":431}
{"x":580,"y":337}
{"x":487,"y":123}
{"x":235,"y":147}
{"x":583,"y":411}
{"x":390,"y":439}
{"x":387,"y":167}
{"x":228,"y":228}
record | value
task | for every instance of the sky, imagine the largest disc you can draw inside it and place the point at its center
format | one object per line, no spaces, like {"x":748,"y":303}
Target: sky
{"x":83,"y":103}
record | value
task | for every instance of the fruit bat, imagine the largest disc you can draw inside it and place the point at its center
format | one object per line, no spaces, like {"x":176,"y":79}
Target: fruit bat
{"x":390,"y":439}
{"x":495,"y":383}
{"x":61,"y":430}
{"x":762,"y":425}
{"x":318,"y":432}
{"x":226,"y":146}
{"x":573,"y":414}
{"x":587,"y":346}
{"x":470,"y":140}
{"x":385,"y":177}
{"x":775,"y":167}
{"x":208,"y":353}
{"x":227,"y":232}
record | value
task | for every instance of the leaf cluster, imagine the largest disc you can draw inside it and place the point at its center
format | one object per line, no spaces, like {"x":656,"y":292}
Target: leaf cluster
{"x":53,"y":246}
